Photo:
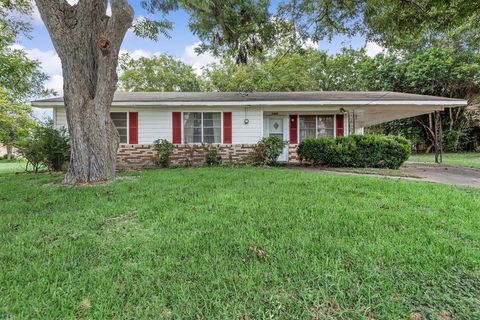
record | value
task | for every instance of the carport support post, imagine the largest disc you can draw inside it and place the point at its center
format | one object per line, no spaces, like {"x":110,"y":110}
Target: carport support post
{"x":438,"y":137}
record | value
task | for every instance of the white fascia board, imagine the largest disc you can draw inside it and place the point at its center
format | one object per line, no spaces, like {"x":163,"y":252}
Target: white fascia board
{"x":443,"y":103}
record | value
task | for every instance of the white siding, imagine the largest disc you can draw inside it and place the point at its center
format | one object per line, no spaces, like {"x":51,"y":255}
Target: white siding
{"x":156,"y":124}
{"x":60,"y":118}
{"x":246,"y":133}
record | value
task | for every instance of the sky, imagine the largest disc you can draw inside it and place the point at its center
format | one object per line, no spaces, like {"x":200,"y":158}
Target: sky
{"x":181,"y":45}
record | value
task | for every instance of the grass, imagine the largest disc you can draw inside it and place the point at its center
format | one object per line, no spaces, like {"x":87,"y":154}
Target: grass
{"x":469,"y":160}
{"x":244,"y":243}
{"x":11,"y":166}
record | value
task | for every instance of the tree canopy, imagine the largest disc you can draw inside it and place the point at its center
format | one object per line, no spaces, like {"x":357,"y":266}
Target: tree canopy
{"x":159,"y":73}
{"x":394,"y":23}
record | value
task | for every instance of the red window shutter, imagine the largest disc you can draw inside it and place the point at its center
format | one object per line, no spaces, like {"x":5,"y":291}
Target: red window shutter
{"x":177,"y":127}
{"x":227,"y":127}
{"x":133,"y":128}
{"x":293,"y":129}
{"x":340,"y":125}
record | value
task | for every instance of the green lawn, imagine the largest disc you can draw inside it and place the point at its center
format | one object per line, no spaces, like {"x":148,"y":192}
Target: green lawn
{"x":11,"y":166}
{"x":470,"y":160}
{"x":244,"y":243}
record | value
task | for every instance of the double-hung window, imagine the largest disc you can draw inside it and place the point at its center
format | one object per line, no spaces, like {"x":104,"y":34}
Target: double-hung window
{"x":202,"y":127}
{"x":311,"y":126}
{"x":120,"y":121}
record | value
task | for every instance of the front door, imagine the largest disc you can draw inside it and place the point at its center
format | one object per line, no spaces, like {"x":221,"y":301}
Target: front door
{"x":276,"y":128}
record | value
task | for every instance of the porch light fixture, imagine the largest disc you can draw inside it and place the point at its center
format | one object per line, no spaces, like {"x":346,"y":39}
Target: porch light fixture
{"x":246,"y":121}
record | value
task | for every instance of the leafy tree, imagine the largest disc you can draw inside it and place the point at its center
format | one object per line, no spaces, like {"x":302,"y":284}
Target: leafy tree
{"x":293,"y":72}
{"x":159,"y":73}
{"x":20,"y":77}
{"x":235,"y":28}
{"x":15,"y":121}
{"x":394,"y":23}
{"x":11,"y":21}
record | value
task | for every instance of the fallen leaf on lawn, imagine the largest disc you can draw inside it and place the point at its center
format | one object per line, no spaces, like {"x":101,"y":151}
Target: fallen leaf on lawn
{"x":445,"y":315}
{"x":122,"y":285}
{"x":262,"y":254}
{"x":416,"y":316}
{"x":332,"y":307}
{"x":85,"y":304}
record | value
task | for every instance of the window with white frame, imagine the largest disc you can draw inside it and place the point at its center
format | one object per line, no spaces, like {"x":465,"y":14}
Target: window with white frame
{"x":325,"y":126}
{"x":202,"y":127}
{"x":307,"y":128}
{"x":121,"y":123}
{"x":311,"y":126}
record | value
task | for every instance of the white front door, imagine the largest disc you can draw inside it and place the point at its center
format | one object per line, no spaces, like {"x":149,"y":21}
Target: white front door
{"x":277,"y":128}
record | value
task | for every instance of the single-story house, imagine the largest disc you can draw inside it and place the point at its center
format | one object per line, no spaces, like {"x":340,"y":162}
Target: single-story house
{"x":237,"y":121}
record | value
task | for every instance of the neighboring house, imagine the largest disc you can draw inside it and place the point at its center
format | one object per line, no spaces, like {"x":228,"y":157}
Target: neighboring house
{"x":3,"y":150}
{"x":237,"y":121}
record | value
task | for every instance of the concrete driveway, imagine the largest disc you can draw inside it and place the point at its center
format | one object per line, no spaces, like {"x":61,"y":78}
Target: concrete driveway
{"x":439,"y":173}
{"x":443,"y":174}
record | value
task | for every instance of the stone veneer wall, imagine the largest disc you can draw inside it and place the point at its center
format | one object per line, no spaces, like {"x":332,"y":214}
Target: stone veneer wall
{"x":143,"y":155}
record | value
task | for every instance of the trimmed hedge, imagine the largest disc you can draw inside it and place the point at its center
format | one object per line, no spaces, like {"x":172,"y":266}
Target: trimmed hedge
{"x":374,"y":151}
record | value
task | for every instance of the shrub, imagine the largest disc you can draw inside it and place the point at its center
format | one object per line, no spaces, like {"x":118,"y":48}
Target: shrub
{"x":164,"y":150}
{"x":212,"y":155}
{"x":376,"y":151}
{"x":267,"y":151}
{"x":45,"y":146}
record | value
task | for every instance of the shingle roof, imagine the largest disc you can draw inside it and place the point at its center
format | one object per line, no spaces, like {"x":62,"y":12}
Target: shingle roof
{"x":217,"y":97}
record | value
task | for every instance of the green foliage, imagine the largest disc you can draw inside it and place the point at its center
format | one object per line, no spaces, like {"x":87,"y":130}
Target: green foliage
{"x":212,"y":155}
{"x":267,"y":151}
{"x":160,"y":73}
{"x":13,"y":20}
{"x":397,"y":24}
{"x":45,"y":146}
{"x":164,"y":150}
{"x":239,"y":29}
{"x":15,"y":120}
{"x":21,"y":77}
{"x":375,"y":151}
{"x":460,"y":159}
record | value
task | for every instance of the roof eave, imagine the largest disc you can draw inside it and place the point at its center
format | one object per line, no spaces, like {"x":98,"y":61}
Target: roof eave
{"x":443,"y":103}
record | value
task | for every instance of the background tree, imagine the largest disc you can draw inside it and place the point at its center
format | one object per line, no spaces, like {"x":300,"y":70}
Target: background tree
{"x":236,"y":28}
{"x":20,"y":77}
{"x":393,"y":23}
{"x":159,"y":73}
{"x":15,"y":121}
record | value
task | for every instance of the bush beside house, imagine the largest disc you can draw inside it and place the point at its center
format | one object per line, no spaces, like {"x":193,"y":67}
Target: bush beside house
{"x":266,"y":151}
{"x":45,"y":146}
{"x":376,"y":151}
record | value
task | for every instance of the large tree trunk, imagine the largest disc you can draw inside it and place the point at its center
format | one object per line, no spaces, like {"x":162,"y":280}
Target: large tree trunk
{"x":88,"y":42}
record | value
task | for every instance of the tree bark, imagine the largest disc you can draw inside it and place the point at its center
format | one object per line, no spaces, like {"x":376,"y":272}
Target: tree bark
{"x":88,"y":43}
{"x":9,"y":151}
